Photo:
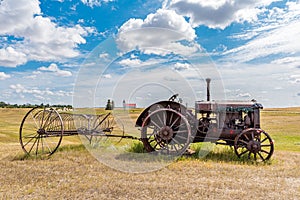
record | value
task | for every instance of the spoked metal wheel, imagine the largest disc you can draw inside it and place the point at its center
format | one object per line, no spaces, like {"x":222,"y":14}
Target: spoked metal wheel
{"x":103,"y":130}
{"x":166,"y":131}
{"x":41,"y":132}
{"x":255,"y":144}
{"x":203,"y":126}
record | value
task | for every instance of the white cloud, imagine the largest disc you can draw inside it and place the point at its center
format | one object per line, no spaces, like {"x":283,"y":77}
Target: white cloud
{"x":54,"y":68}
{"x":25,"y":87}
{"x":17,"y":15}
{"x":93,"y":3}
{"x":181,"y":66}
{"x":130,"y":62}
{"x":134,"y":62}
{"x":281,"y":40}
{"x":220,"y":48}
{"x":244,"y":95}
{"x":159,"y":33}
{"x":295,"y":79}
{"x":277,"y":35}
{"x":104,"y":55}
{"x":290,"y":61}
{"x":9,"y":57}
{"x":19,"y":88}
{"x":39,"y":38}
{"x":34,"y":76}
{"x":279,"y":80}
{"x":108,"y":76}
{"x":4,"y":76}
{"x":218,"y":13}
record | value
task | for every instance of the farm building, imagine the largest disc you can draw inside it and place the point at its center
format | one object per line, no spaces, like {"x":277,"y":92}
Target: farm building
{"x":128,"y":105}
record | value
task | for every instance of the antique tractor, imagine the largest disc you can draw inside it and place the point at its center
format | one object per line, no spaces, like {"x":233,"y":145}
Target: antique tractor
{"x":168,"y":127}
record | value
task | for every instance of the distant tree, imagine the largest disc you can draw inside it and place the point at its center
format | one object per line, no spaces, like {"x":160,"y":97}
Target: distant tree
{"x":3,"y":104}
{"x":108,"y":105}
{"x":28,"y":105}
{"x":69,"y":107}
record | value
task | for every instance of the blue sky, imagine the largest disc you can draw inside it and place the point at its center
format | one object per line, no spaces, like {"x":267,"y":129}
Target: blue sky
{"x":143,"y":51}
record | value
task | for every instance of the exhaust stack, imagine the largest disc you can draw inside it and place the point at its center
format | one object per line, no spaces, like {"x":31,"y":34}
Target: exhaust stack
{"x":208,"y":88}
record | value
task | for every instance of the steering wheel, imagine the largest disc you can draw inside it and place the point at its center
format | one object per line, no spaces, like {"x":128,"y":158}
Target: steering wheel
{"x":172,"y":98}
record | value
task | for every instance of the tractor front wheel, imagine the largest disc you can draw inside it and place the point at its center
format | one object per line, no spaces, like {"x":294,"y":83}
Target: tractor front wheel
{"x":255,"y":144}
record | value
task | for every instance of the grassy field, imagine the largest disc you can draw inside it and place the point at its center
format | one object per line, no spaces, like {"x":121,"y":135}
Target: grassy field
{"x":73,"y":173}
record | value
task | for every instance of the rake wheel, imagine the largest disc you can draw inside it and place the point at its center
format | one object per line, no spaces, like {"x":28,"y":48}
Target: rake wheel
{"x":41,"y":132}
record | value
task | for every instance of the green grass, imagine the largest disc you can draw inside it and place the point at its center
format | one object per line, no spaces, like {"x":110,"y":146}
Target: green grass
{"x":61,"y":149}
{"x":136,"y":147}
{"x":10,"y":120}
{"x":71,"y":147}
{"x":284,"y":127}
{"x":217,"y":153}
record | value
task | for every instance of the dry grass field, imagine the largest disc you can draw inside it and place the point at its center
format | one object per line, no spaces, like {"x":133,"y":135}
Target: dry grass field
{"x":73,"y":173}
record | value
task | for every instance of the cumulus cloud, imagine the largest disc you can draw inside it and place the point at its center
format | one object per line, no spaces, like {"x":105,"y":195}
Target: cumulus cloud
{"x":10,"y":57}
{"x":165,"y":30}
{"x":54,"y":68}
{"x":16,"y":15}
{"x":218,"y":13}
{"x":38,"y":38}
{"x":4,"y":76}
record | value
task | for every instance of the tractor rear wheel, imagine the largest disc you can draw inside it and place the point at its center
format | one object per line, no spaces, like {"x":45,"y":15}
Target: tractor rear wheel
{"x":166,"y":131}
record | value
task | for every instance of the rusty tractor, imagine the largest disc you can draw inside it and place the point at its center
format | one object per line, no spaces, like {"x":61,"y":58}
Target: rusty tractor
{"x":169,"y":127}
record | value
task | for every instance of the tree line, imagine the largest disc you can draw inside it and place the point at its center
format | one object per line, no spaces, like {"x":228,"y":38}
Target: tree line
{"x":28,"y":105}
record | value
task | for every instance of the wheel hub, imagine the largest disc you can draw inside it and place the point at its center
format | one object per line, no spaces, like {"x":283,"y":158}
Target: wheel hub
{"x":41,"y":131}
{"x":166,"y":133}
{"x":254,"y":146}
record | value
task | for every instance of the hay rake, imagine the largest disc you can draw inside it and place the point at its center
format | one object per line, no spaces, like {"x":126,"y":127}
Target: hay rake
{"x":42,"y":129}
